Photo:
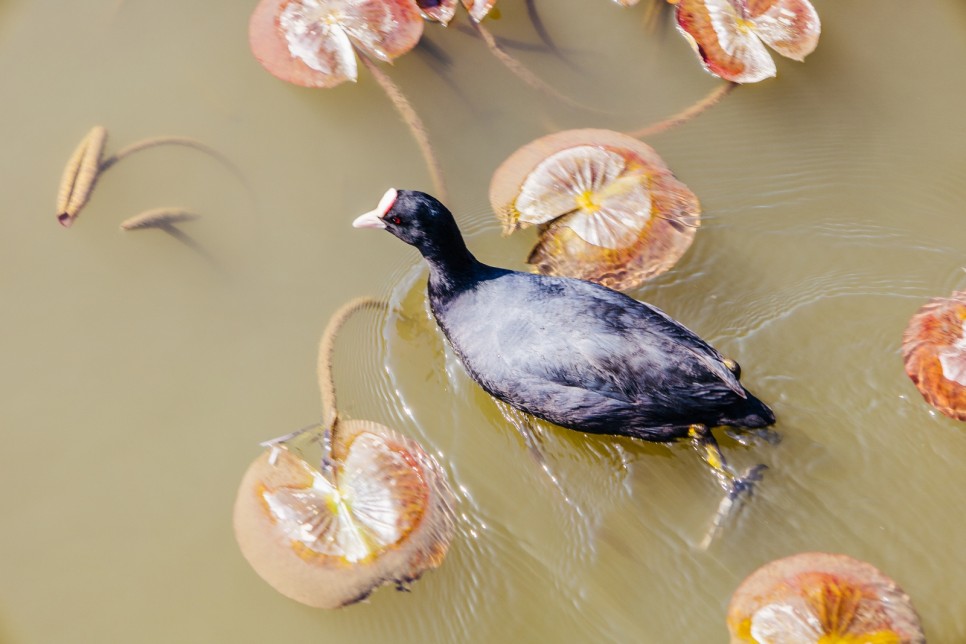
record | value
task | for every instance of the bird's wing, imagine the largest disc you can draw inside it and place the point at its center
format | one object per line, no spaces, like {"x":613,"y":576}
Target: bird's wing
{"x":689,"y":341}
{"x":549,"y":343}
{"x":611,"y":343}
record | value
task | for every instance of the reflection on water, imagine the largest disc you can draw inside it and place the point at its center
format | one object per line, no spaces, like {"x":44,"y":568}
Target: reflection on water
{"x":138,"y":384}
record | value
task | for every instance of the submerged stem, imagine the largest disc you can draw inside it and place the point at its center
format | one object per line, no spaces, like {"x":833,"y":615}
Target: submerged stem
{"x":174,"y":140}
{"x":509,"y":43}
{"x":521,"y":71}
{"x":167,"y":220}
{"x":191,"y":243}
{"x":326,"y":351}
{"x":415,"y":124}
{"x":685,"y":115}
{"x":541,"y":30}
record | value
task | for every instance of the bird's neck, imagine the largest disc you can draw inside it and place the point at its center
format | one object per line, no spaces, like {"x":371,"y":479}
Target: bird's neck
{"x":451,"y":265}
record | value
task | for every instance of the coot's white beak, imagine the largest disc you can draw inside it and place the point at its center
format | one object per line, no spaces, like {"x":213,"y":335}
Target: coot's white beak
{"x":374,"y":218}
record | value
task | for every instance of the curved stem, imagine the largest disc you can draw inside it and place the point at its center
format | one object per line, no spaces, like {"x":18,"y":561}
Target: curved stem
{"x":184,"y":141}
{"x":541,"y":30}
{"x":685,"y":115}
{"x":187,"y":142}
{"x":330,"y":411}
{"x":521,"y":72}
{"x":415,"y":124}
{"x":509,"y":43}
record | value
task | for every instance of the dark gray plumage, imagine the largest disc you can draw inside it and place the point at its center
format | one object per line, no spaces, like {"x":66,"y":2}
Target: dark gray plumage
{"x":571,"y":352}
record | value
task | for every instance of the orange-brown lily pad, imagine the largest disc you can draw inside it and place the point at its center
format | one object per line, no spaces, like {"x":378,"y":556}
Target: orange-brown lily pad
{"x":383,"y":515}
{"x":609,"y":209}
{"x":820,"y":598}
{"x":934,"y":351}
{"x":312,"y":42}
{"x":729,"y":36}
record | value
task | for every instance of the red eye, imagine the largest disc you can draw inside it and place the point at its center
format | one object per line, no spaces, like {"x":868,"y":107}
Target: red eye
{"x":396,"y":220}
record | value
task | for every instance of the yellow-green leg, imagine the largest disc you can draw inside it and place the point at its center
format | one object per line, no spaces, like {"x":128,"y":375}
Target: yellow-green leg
{"x":707,"y":447}
{"x":736,"y":486}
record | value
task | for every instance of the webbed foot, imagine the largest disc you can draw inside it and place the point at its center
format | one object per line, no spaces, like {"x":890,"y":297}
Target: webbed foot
{"x":741,"y":489}
{"x":744,"y":485}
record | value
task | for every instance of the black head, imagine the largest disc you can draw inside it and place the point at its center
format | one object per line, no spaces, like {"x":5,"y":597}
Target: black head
{"x":417,"y":219}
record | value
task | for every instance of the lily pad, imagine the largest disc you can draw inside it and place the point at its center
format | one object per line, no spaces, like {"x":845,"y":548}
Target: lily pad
{"x":815,"y":597}
{"x":609,"y":209}
{"x":729,"y":36}
{"x":934,"y":352}
{"x":385,"y":515}
{"x":312,"y":42}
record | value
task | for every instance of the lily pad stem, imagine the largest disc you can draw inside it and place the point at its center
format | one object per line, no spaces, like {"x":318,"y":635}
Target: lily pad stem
{"x":524,"y":74}
{"x":330,"y":413}
{"x":415,"y":124}
{"x":541,"y":29}
{"x":174,"y":140}
{"x":687,"y":114}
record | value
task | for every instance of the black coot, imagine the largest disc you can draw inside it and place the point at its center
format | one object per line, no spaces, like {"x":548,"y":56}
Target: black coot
{"x":572,"y":352}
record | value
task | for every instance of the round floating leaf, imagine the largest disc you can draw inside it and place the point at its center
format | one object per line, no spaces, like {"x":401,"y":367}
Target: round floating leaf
{"x":727,"y":35}
{"x":934,"y":351}
{"x":610,"y":210}
{"x":386,"y":515}
{"x":814,"y":597}
{"x":310,"y":42}
{"x":790,"y":27}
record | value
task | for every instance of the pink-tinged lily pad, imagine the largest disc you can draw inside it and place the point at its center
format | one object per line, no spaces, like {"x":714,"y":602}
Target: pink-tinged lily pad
{"x":312,"y":42}
{"x":815,"y":598}
{"x":934,"y":352}
{"x":608,"y":208}
{"x":729,"y":36}
{"x":384,"y":515}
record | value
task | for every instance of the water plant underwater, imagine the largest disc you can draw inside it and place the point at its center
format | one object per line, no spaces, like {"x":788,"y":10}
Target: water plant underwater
{"x":377,"y":510}
{"x":88,"y":163}
{"x":443,"y":11}
{"x":821,"y":598}
{"x":314,"y":43}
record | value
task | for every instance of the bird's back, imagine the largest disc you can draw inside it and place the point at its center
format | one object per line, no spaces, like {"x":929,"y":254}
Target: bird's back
{"x":589,"y":358}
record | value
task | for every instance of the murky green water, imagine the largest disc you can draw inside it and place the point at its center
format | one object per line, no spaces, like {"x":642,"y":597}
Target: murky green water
{"x":137,"y":381}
